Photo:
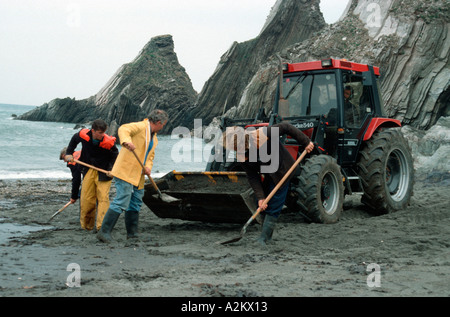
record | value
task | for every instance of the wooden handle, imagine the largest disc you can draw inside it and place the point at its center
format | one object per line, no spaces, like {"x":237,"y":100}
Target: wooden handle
{"x":273,"y":192}
{"x":65,"y":206}
{"x":59,"y":211}
{"x":151,"y":179}
{"x":137,"y":158}
{"x":91,"y":166}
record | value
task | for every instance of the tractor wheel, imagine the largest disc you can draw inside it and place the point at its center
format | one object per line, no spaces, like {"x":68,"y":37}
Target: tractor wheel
{"x":385,"y":167}
{"x":319,"y":190}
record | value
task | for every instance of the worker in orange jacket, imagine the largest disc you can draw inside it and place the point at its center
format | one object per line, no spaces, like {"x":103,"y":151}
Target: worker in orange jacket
{"x":99,"y":150}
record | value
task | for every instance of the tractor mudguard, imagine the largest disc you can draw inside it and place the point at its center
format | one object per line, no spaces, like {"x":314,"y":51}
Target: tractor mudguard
{"x":376,"y":123}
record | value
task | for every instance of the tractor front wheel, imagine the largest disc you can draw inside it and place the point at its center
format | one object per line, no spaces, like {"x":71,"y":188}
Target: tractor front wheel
{"x":319,"y":189}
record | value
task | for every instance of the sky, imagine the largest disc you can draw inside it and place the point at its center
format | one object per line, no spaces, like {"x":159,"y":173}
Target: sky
{"x":71,"y":48}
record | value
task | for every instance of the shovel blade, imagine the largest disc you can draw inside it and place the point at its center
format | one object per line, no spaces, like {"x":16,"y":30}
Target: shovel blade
{"x":166,"y":198}
{"x":242,"y":233}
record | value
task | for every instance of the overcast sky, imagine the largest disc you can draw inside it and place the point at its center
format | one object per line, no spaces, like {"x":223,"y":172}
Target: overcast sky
{"x":71,"y":48}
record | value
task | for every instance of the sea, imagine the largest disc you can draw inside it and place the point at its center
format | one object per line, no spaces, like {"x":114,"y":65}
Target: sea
{"x":30,"y":149}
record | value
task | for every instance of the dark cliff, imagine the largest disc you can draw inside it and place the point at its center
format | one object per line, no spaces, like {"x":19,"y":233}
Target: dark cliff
{"x":290,"y":22}
{"x":409,"y":40}
{"x":154,"y":79}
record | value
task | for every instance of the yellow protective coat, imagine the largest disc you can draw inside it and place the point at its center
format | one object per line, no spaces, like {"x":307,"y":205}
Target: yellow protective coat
{"x":126,"y":167}
{"x":95,"y":197}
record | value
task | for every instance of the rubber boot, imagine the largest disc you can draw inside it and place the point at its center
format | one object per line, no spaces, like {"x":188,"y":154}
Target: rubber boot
{"x":109,"y":221}
{"x":267,"y":229}
{"x":131,"y":224}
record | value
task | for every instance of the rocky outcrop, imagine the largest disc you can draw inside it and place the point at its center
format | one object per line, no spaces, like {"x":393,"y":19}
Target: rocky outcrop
{"x":154,"y":79}
{"x":431,"y":150}
{"x":290,"y":22}
{"x":413,"y":49}
{"x":62,"y":110}
{"x":409,"y":40}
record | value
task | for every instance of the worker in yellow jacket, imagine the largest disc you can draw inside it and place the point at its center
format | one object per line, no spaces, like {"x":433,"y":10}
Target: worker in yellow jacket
{"x":128,"y":174}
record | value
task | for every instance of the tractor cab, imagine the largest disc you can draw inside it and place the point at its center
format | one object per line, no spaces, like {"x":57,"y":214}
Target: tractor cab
{"x":335,"y":98}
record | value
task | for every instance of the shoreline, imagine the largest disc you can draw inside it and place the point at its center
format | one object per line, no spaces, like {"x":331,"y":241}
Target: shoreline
{"x":181,"y":258}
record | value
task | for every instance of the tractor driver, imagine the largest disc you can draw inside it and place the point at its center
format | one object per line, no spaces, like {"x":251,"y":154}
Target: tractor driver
{"x":352,"y":117}
{"x":257,"y":150}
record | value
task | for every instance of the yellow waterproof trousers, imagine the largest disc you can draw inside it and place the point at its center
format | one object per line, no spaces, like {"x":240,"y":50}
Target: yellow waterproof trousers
{"x":94,"y":195}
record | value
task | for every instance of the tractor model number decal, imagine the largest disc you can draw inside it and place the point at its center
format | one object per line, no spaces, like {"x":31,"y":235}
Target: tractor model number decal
{"x":304,"y":125}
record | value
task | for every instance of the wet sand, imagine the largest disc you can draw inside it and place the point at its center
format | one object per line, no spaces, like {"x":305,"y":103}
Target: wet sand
{"x":406,"y":253}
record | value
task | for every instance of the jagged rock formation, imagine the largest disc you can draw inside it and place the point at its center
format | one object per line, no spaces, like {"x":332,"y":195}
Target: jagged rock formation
{"x":431,"y":150}
{"x":290,"y":22}
{"x":154,"y":79}
{"x":409,"y":40}
{"x":62,"y":110}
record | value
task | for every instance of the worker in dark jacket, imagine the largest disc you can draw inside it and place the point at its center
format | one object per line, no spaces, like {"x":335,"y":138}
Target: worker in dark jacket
{"x":99,"y":150}
{"x":263,"y":156}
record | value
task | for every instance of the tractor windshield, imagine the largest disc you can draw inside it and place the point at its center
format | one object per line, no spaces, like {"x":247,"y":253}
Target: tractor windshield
{"x":310,"y":94}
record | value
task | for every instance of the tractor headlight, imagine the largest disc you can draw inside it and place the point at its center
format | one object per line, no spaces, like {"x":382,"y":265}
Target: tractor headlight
{"x":327,"y":62}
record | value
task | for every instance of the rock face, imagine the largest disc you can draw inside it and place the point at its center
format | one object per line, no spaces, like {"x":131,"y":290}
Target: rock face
{"x":409,"y":40}
{"x":62,"y":110}
{"x":155,"y":79}
{"x":431,"y":150}
{"x":290,"y":22}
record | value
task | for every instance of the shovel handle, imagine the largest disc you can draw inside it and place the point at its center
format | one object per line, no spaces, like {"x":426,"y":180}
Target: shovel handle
{"x":149,"y":177}
{"x":59,"y":211}
{"x":91,"y":166}
{"x":244,"y":228}
{"x":273,"y":192}
{"x":65,"y":206}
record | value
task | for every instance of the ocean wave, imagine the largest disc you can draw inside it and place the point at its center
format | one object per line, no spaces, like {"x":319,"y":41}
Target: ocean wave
{"x":34,"y":175}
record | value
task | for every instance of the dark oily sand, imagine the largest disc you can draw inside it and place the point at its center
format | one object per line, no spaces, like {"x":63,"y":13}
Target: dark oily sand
{"x":400,"y":254}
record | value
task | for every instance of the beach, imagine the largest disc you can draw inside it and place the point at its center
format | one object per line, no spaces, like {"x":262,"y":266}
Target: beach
{"x":405,"y":253}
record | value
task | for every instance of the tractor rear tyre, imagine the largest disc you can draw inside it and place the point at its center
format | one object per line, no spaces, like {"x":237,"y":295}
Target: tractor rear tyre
{"x":385,"y":167}
{"x":319,"y":189}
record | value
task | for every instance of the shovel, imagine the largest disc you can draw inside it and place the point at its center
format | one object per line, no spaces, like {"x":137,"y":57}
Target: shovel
{"x":65,"y":206}
{"x":164,"y":197}
{"x":91,"y":166}
{"x":244,"y":229}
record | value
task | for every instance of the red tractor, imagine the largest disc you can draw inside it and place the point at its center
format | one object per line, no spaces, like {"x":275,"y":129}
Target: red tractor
{"x":358,"y":149}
